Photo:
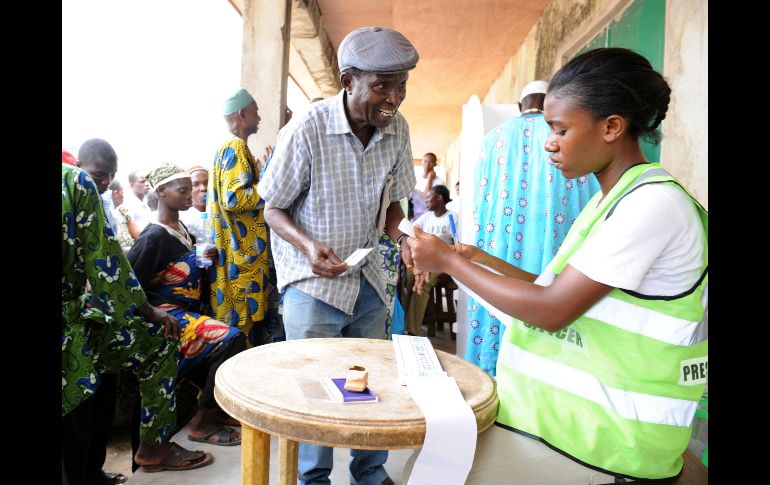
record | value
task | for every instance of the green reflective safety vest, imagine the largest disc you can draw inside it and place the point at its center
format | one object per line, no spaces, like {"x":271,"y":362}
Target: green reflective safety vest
{"x":618,"y":388}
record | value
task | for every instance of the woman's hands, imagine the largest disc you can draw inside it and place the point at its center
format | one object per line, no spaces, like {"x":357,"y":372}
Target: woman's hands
{"x":431,"y":255}
{"x":211,"y":254}
{"x":153,"y":314}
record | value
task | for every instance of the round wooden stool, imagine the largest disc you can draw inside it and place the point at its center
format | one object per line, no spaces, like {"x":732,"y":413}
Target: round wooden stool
{"x":276,"y":390}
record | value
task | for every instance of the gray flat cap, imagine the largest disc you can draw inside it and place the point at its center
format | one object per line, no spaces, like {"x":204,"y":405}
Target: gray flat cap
{"x":376,"y":49}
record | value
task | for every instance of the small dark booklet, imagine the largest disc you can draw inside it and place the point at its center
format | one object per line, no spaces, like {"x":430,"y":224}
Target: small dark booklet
{"x":335,"y":387}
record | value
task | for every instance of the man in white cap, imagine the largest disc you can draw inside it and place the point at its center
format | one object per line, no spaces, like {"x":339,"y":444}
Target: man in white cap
{"x":324,"y":189}
{"x":523,"y":209}
{"x":239,"y":276}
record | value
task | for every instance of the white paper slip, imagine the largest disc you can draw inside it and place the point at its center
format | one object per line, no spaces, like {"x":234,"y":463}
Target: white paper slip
{"x":415,"y":357}
{"x":499,"y":314}
{"x":447,"y":452}
{"x":406,"y":227}
{"x":357,"y":256}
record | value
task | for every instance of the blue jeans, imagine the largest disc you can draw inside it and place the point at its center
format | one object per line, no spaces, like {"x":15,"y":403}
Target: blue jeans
{"x":307,"y":317}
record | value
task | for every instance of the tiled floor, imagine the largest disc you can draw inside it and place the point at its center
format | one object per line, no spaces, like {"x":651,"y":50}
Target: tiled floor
{"x":226,"y":468}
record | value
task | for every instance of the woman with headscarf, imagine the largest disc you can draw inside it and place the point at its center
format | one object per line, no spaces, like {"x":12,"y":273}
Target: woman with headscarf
{"x":164,"y":261}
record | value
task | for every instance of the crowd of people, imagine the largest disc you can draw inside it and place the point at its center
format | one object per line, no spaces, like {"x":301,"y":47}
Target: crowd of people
{"x":585,"y":291}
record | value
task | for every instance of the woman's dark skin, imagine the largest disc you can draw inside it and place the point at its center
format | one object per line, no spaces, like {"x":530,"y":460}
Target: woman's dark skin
{"x":173,"y":197}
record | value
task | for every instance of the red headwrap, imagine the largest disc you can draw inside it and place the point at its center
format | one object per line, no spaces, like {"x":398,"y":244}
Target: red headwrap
{"x":68,"y":158}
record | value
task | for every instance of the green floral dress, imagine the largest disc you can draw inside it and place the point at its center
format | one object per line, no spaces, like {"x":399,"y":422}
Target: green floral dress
{"x":94,"y":341}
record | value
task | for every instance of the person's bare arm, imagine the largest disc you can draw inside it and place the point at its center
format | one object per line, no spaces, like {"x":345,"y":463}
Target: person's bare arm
{"x":321,"y":257}
{"x":480,"y":256}
{"x":265,"y":156}
{"x":393,"y":217}
{"x":133,"y":229}
{"x":548,"y":307}
{"x":429,"y":183}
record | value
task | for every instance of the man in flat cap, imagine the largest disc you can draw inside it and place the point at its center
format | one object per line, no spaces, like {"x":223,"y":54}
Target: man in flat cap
{"x":239,"y":276}
{"x":525,"y":208}
{"x":332,"y":171}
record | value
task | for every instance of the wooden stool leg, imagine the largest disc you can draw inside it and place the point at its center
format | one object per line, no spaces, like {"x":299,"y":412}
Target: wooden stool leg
{"x":255,"y":456}
{"x":288,"y":451}
{"x":439,"y":307}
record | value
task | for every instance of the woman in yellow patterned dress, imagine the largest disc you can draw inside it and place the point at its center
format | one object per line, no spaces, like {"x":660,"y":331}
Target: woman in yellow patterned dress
{"x":239,"y":276}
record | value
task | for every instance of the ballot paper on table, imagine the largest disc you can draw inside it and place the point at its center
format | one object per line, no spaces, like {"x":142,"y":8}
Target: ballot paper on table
{"x":447,"y":451}
{"x":450,"y":424}
{"x":415,"y":357}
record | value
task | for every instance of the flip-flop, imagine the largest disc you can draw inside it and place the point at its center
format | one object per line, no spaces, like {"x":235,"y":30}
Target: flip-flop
{"x":109,"y":478}
{"x":225,"y":437}
{"x":175,"y":454}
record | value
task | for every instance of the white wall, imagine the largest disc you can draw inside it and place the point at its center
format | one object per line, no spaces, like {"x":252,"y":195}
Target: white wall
{"x":684,"y":149}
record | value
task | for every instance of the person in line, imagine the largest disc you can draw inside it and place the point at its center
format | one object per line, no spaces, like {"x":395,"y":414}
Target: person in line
{"x":329,"y":187}
{"x":454,"y":205}
{"x":239,"y":278}
{"x":123,"y":332}
{"x":164,"y":261}
{"x":97,"y":163}
{"x":435,"y":221}
{"x":192,"y":216}
{"x":429,"y":179}
{"x":605,"y":354}
{"x":137,"y":201}
{"x":128,"y":230}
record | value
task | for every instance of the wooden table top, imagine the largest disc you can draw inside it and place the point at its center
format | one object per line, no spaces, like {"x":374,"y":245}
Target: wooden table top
{"x":277,"y":388}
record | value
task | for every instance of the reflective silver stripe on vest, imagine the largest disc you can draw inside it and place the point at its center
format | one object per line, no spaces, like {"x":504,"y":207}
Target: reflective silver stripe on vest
{"x":628,"y":404}
{"x":647,"y":322}
{"x":640,"y":320}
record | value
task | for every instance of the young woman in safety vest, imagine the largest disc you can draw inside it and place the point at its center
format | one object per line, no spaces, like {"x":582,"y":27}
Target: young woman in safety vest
{"x":604,"y":355}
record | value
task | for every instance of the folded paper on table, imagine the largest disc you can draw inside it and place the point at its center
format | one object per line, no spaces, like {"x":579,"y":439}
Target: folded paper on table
{"x":415,"y":357}
{"x":450,"y":432}
{"x":450,"y":424}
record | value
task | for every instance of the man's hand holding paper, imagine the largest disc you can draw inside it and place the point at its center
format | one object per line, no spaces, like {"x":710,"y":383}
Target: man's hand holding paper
{"x":323,"y":261}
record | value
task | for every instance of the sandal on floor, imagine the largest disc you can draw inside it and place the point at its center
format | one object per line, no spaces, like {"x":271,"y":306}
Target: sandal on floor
{"x":222,"y":436}
{"x":178,"y":458}
{"x":109,"y":478}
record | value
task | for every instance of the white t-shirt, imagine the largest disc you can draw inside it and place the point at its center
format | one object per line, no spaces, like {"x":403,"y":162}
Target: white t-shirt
{"x":192,"y":219}
{"x":652,"y":244}
{"x":454,"y":207}
{"x":439,"y":226}
{"x":138,"y":209}
{"x":418,"y":198}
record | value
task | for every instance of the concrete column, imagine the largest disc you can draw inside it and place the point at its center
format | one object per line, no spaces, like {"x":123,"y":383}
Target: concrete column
{"x":265,"y":64}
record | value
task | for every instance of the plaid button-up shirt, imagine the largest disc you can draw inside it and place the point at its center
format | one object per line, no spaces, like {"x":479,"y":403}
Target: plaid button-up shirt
{"x":331,"y":185}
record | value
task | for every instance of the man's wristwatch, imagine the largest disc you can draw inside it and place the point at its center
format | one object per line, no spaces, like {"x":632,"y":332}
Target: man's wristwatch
{"x":399,"y":239}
